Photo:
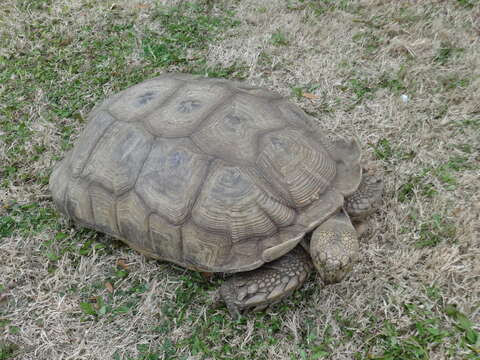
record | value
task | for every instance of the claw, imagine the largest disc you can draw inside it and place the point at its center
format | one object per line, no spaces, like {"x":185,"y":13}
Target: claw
{"x":267,"y":285}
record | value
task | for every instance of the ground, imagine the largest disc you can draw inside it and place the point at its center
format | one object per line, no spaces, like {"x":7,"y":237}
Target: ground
{"x":403,"y":77}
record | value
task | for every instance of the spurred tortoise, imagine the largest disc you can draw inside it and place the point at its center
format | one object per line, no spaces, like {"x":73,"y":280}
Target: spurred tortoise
{"x":217,"y":176}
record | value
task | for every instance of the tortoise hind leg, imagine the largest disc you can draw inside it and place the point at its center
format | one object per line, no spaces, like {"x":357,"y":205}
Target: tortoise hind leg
{"x":268,"y":284}
{"x":364,"y":201}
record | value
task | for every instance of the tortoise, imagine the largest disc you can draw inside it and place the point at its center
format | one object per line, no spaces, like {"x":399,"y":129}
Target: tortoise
{"x":218,"y":176}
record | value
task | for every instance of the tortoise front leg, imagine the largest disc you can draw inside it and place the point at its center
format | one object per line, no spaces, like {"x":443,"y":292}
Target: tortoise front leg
{"x":334,"y":248}
{"x":268,"y":284}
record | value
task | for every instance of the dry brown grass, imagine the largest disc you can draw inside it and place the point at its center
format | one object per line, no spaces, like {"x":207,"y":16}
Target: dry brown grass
{"x":358,"y":58}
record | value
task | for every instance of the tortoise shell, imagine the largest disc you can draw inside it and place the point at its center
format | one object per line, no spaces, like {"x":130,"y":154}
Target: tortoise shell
{"x":209,"y":174}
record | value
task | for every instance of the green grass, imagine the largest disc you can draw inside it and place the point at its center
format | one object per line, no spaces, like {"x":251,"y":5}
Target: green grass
{"x":322,"y":7}
{"x":427,"y":324}
{"x":393,"y":82}
{"x":389,"y":153}
{"x":8,"y":351}
{"x":46,"y":70}
{"x":70,"y":72}
{"x":383,"y":149}
{"x":279,"y":38}
{"x":27,"y":219}
{"x":469,"y":4}
{"x":58,"y":59}
{"x":361,"y":88}
{"x":369,"y":41}
{"x":446,"y":52}
{"x":430,"y":331}
{"x":416,"y":339}
{"x":434,"y":231}
{"x":185,"y":31}
{"x":445,"y":175}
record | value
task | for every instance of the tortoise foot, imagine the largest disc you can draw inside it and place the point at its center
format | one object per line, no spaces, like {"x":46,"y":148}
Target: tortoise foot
{"x":365,"y":199}
{"x":334,"y":248}
{"x":267,"y":285}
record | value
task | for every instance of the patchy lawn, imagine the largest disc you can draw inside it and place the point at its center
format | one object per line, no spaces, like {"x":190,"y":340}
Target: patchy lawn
{"x":401,"y":76}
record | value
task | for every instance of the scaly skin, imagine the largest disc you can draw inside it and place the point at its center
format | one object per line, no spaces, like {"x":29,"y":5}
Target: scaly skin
{"x":268,"y":284}
{"x":334,"y":248}
{"x":333,"y":252}
{"x":365,"y":200}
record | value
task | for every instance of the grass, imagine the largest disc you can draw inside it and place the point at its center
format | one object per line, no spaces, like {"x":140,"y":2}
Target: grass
{"x":7,"y":351}
{"x":425,"y":332}
{"x":185,"y":30}
{"x":410,"y":98}
{"x":279,"y":38}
